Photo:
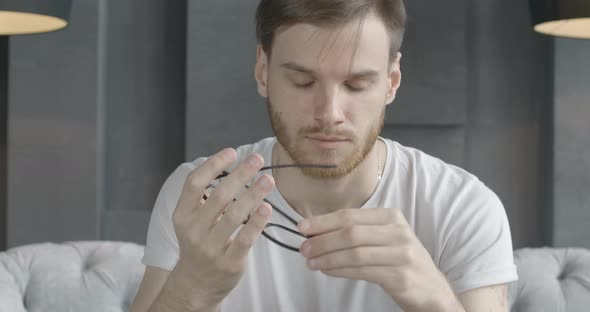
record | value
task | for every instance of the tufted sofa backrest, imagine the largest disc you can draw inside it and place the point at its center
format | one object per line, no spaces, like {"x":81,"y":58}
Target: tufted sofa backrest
{"x":551,"y":279}
{"x":75,"y":276}
{"x":104,"y":276}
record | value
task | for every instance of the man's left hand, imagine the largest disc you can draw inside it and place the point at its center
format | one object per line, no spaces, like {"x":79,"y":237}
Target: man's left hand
{"x":378,"y":245}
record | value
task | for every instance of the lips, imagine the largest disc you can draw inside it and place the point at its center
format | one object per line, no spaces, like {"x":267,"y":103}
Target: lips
{"x":328,"y":139}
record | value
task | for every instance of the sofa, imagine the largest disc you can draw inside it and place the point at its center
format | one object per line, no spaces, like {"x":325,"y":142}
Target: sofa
{"x":104,"y":276}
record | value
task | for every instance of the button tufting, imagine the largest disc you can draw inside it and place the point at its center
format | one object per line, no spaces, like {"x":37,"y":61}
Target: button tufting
{"x":92,"y":276}
{"x":564,"y":273}
{"x":86,"y":265}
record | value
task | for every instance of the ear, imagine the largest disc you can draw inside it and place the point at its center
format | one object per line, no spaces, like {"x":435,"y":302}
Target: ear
{"x":395,"y":78}
{"x":261,"y":71}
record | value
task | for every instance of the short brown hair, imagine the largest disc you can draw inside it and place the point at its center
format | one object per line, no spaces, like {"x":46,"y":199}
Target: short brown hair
{"x":272,"y":14}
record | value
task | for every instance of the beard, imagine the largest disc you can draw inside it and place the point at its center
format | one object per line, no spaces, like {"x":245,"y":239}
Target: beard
{"x":350,"y":161}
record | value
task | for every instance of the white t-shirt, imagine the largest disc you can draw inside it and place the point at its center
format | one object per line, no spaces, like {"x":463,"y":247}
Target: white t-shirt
{"x":460,"y":222}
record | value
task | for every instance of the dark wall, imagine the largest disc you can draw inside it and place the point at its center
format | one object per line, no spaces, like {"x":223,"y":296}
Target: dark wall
{"x":3,"y":133}
{"x":102,"y":112}
{"x":52,"y":145}
{"x":96,"y":121}
{"x":572,"y":143}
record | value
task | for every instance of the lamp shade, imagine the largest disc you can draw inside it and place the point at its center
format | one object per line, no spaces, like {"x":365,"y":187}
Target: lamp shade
{"x":18,"y":17}
{"x":562,"y":18}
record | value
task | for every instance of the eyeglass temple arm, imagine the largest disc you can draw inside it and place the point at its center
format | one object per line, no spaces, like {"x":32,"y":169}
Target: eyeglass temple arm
{"x":279,"y":242}
{"x":273,"y":208}
{"x":287,"y":229}
{"x":226,"y":173}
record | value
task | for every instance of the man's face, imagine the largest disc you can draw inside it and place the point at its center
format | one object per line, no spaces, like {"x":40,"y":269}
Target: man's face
{"x":326,"y":91}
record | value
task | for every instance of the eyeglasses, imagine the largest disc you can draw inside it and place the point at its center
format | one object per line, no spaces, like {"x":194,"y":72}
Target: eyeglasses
{"x":279,"y":234}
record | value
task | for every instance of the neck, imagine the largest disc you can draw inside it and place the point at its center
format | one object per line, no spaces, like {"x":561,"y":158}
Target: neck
{"x":313,"y":196}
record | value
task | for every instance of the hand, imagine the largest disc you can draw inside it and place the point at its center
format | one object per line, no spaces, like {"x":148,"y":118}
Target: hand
{"x":210,"y":263}
{"x":377,"y":245}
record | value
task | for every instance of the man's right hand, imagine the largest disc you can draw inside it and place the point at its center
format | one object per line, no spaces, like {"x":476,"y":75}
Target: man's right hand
{"x":210,"y":263}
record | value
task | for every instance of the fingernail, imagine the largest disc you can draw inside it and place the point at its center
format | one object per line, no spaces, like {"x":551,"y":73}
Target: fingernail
{"x":305,"y":249}
{"x":228,"y":153}
{"x":255,"y":160}
{"x":264,"y":210}
{"x":304,"y":226}
{"x":266,"y":181}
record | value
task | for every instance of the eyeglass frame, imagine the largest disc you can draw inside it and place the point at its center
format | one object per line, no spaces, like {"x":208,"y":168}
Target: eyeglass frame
{"x":274,"y":207}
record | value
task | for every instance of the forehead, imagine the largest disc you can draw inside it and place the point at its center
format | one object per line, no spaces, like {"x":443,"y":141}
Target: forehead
{"x":359,"y":45}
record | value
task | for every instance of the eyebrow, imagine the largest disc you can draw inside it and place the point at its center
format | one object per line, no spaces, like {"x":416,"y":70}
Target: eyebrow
{"x":368,"y":73}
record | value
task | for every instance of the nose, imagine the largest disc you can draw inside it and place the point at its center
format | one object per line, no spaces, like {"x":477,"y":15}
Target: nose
{"x":329,"y":107}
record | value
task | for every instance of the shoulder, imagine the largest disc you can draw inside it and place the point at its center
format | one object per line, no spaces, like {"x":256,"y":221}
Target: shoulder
{"x":452,"y":196}
{"x":435,"y":179}
{"x":414,"y":162}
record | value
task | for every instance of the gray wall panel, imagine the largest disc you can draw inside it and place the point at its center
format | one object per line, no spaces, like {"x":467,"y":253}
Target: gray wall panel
{"x":506,"y":160}
{"x":96,"y":121}
{"x":51,"y":148}
{"x":223,"y":106}
{"x":446,"y":143}
{"x":507,"y":103}
{"x":506,"y":62}
{"x":572,"y":143}
{"x":4,"y":65}
{"x":126,"y":225}
{"x":145,"y":100}
{"x":434,"y":67}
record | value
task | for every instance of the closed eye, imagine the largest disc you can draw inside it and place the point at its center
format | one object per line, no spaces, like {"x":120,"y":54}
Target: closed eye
{"x":306,"y":85}
{"x":358,"y":85}
{"x":354,"y":89}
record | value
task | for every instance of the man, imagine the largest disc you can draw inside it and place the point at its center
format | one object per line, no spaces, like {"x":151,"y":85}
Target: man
{"x":364,"y":223}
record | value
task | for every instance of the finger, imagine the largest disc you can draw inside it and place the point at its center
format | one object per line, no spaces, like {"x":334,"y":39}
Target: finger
{"x":356,"y":257}
{"x":349,"y":236}
{"x":198,"y":179}
{"x":239,"y":210}
{"x":228,"y":189}
{"x":249,"y":233}
{"x":368,"y":273}
{"x":365,"y":216}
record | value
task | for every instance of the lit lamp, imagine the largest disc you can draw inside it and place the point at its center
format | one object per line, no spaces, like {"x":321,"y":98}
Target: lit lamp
{"x":20,"y":17}
{"x":562,"y":18}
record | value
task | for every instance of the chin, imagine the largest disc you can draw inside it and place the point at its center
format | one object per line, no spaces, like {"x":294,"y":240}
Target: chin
{"x":322,"y":155}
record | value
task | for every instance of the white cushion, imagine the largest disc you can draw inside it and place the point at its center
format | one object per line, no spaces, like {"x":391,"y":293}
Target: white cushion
{"x":74,"y":276}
